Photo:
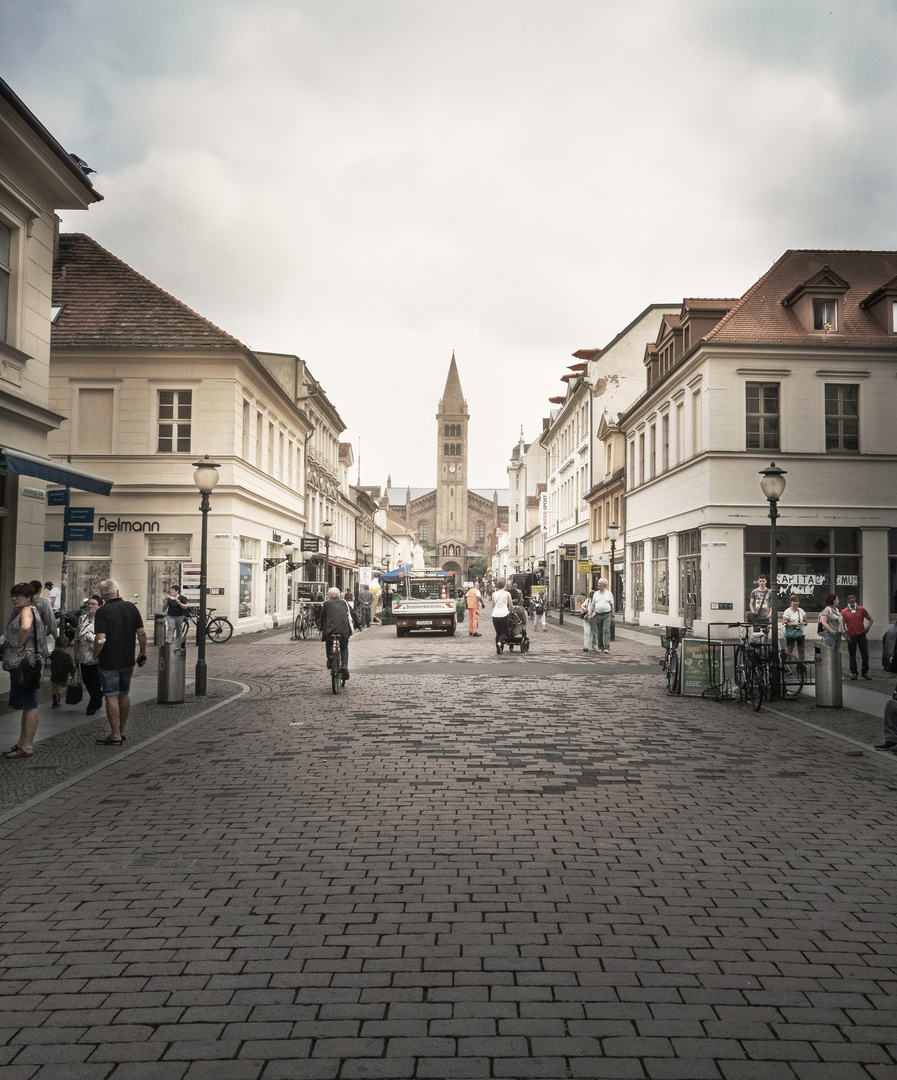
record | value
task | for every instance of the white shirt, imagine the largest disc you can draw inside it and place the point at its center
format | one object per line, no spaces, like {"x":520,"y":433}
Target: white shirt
{"x":501,"y":604}
{"x":602,"y":602}
{"x":55,"y":599}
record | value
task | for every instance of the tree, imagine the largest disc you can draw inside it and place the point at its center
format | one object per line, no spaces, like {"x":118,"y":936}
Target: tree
{"x":477,"y":568}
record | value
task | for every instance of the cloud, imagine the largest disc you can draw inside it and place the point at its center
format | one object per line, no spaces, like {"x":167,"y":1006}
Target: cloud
{"x":372,"y":184}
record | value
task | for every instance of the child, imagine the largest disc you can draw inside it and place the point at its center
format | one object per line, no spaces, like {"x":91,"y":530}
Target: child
{"x":62,"y":667}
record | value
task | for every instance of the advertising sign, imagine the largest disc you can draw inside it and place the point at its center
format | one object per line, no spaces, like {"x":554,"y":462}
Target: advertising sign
{"x":308,"y":543}
{"x":365,"y":575}
{"x":700,"y":666}
{"x":543,"y":512}
{"x":308,"y":590}
{"x":584,"y":566}
{"x":190,"y":574}
{"x":569,"y":551}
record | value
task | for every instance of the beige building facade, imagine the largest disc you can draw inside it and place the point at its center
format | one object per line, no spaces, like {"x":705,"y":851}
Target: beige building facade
{"x":37,"y":178}
{"x":148,"y":388}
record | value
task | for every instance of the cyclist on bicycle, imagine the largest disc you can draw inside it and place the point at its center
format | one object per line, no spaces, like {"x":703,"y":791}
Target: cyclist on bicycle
{"x":335,"y":623}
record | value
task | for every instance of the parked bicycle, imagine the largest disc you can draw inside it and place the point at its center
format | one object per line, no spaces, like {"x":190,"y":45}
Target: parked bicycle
{"x":671,"y":639}
{"x":218,"y":629}
{"x":307,"y":622}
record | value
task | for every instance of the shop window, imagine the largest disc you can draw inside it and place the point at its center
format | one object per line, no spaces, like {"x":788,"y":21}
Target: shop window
{"x":660,"y":574}
{"x":762,"y":416}
{"x":810,"y":563}
{"x":689,"y":545}
{"x":842,"y":418}
{"x":248,"y":557}
{"x":637,"y":557}
{"x":175,"y":421}
{"x":169,"y":545}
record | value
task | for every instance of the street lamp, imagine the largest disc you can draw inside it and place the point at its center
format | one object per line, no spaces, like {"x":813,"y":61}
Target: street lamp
{"x":366,"y":548}
{"x":205,"y":476}
{"x":773,"y":486}
{"x":386,"y":561}
{"x":613,"y":532}
{"x":326,"y":532}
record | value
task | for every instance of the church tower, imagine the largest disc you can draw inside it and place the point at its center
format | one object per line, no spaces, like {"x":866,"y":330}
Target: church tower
{"x":451,"y":477}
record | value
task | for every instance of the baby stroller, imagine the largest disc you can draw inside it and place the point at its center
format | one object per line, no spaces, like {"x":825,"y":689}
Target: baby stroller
{"x":517,"y":634}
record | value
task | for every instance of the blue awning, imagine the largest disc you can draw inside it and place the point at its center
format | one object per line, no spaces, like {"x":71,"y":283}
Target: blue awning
{"x":54,"y":472}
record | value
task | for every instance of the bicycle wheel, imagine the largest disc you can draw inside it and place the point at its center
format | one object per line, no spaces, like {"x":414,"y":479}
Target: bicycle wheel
{"x":740,"y":672}
{"x":304,"y":626}
{"x":793,"y":676}
{"x":673,"y":674}
{"x":220,"y":630}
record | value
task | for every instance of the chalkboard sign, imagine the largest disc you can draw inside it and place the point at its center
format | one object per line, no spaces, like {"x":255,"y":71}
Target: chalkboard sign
{"x":700,"y":666}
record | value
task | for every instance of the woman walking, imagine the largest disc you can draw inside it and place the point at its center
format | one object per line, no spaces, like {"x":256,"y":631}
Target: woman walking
{"x":25,"y":639}
{"x":501,"y":609}
{"x":90,"y":672}
{"x":832,"y":623}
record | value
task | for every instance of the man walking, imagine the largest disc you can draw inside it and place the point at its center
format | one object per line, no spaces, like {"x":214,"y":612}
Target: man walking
{"x":857,"y":622}
{"x":365,"y":601}
{"x":116,"y":624}
{"x":603,"y":613}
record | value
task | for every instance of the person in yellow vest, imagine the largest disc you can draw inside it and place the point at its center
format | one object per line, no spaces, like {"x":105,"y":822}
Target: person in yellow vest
{"x":473,"y":611}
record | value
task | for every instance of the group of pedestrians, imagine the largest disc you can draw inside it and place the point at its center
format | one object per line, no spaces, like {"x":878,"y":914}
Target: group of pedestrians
{"x":104,"y":653}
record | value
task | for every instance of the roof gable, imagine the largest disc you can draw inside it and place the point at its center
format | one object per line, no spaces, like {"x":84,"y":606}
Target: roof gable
{"x":107,"y":304}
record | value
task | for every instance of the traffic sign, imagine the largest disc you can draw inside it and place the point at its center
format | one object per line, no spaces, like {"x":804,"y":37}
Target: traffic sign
{"x":56,"y":545}
{"x":79,"y":532}
{"x":84,"y":514}
{"x":58,"y":498}
{"x":308,"y":543}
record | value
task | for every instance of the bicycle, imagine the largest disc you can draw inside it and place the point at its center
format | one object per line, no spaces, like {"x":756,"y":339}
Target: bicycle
{"x":334,"y":665}
{"x":671,"y":638}
{"x":303,"y":624}
{"x":218,"y":629}
{"x":752,"y":657}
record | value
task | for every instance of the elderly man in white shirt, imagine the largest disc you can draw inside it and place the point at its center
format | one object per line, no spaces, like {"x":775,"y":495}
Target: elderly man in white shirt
{"x":603,"y":612}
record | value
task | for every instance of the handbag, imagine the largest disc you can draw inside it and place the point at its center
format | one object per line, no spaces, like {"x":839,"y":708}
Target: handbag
{"x":75,"y":691}
{"x":31,"y":667}
{"x":792,"y":633}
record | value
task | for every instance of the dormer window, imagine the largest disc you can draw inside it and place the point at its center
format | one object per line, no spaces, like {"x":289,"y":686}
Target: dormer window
{"x":825,"y":315}
{"x":817,"y":303}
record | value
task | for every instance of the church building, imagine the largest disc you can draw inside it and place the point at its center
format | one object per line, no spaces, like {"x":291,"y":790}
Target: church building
{"x":453,"y":522}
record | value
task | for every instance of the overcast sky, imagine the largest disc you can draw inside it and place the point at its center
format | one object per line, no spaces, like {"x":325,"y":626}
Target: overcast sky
{"x":372,"y":184}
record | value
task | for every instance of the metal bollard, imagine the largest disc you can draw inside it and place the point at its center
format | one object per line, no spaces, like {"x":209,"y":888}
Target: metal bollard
{"x":172,"y":677}
{"x":829,"y":689}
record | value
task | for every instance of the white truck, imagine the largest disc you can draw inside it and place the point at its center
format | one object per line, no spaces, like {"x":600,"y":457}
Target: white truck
{"x":425,"y":600}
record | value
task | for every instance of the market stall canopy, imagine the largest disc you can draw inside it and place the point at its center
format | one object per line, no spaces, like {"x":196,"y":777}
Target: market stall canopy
{"x":53,"y":472}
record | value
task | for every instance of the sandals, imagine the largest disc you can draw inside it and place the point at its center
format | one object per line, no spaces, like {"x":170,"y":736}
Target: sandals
{"x":17,"y":752}
{"x":109,"y":741}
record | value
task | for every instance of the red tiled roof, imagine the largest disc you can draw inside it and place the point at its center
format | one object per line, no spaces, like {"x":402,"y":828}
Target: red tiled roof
{"x":760,"y":319}
{"x":557,"y":400}
{"x":106,"y":304}
{"x":586,"y":354}
{"x":578,"y":367}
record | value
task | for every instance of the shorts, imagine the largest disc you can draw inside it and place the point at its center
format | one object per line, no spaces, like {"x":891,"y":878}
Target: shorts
{"x":116,"y":681}
{"x":19,"y":698}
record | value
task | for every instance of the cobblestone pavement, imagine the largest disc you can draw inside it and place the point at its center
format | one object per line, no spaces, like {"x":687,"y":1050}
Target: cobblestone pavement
{"x":464,"y":866}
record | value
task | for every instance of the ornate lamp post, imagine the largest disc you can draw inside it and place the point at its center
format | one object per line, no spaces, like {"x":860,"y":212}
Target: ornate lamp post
{"x":773,"y":486}
{"x":287,"y":558}
{"x":205,"y":476}
{"x":326,"y":532}
{"x":613,"y":532}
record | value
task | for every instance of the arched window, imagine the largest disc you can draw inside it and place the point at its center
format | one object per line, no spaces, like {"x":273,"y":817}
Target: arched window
{"x":423,"y":530}
{"x":446,"y":450}
{"x":448,"y":431}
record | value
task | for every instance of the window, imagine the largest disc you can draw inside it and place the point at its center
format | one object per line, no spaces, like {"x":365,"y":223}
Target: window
{"x":246,"y":432}
{"x":842,"y":418}
{"x":169,"y":545}
{"x":89,"y":563}
{"x":762,"y":416}
{"x":653,"y":447}
{"x":175,"y":418}
{"x":811,"y":563}
{"x":660,"y":573}
{"x":641,"y":458}
{"x":665,"y":443}
{"x":696,"y":422}
{"x":638,"y":576}
{"x":5,"y":277}
{"x":825,"y":314}
{"x":690,"y":575}
{"x":423,"y":531}
{"x":248,"y":555}
{"x":480,"y":532}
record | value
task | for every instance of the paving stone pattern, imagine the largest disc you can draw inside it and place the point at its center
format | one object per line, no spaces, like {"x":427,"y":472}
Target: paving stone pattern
{"x":463,"y":866}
